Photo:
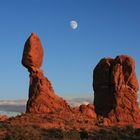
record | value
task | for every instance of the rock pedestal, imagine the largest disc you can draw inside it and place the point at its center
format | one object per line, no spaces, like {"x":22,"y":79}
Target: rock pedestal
{"x":42,"y":98}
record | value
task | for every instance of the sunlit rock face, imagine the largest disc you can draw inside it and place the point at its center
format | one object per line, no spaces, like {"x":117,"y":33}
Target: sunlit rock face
{"x":42,"y":98}
{"x":115,"y":90}
{"x":3,"y":118}
{"x":88,"y":110}
{"x":33,"y":52}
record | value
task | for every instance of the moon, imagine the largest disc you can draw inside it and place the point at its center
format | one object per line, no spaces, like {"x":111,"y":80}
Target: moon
{"x":73,"y":24}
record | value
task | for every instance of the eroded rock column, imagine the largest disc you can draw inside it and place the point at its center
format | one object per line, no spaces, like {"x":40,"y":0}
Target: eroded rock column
{"x":42,"y":98}
{"x":115,"y":89}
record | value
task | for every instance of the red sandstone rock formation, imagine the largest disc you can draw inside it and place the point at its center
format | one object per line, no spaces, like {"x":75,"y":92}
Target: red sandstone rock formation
{"x":115,"y":90}
{"x":33,"y":52}
{"x":88,"y":110}
{"x":3,"y":118}
{"x":42,"y":98}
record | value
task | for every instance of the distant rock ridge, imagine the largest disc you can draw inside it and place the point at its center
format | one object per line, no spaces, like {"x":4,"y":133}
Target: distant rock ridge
{"x":42,"y":98}
{"x":115,"y":90}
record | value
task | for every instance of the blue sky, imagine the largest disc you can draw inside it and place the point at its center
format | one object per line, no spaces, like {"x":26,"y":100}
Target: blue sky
{"x":106,"y":28}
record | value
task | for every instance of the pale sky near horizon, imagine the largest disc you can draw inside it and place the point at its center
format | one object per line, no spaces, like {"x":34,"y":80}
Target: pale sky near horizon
{"x":106,"y":28}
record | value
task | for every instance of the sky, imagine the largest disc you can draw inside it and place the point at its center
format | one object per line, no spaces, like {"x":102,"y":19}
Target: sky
{"x":106,"y":28}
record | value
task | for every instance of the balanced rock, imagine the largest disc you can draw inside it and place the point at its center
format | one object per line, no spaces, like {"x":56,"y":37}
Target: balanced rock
{"x":33,"y":52}
{"x":42,"y":98}
{"x":115,"y":90}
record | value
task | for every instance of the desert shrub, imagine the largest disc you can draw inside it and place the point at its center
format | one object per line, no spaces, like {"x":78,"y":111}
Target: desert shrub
{"x":116,"y":133}
{"x":129,"y":129}
{"x":105,"y":134}
{"x":71,"y":135}
{"x":53,"y":134}
{"x":137,"y":132}
{"x":57,"y":134}
{"x":83,"y":134}
{"x":22,"y":133}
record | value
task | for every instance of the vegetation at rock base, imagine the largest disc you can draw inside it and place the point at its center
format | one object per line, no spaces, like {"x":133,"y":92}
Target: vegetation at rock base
{"x":116,"y":133}
{"x":18,"y":132}
{"x":22,"y":133}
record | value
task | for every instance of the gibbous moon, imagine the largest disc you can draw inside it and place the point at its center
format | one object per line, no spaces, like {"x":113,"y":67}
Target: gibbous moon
{"x":73,"y":24}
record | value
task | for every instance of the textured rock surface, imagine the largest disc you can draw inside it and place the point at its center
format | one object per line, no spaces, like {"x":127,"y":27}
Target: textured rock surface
{"x":88,"y":110}
{"x":3,"y":118}
{"x":42,"y":98}
{"x":115,"y":90}
{"x":33,"y":52}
